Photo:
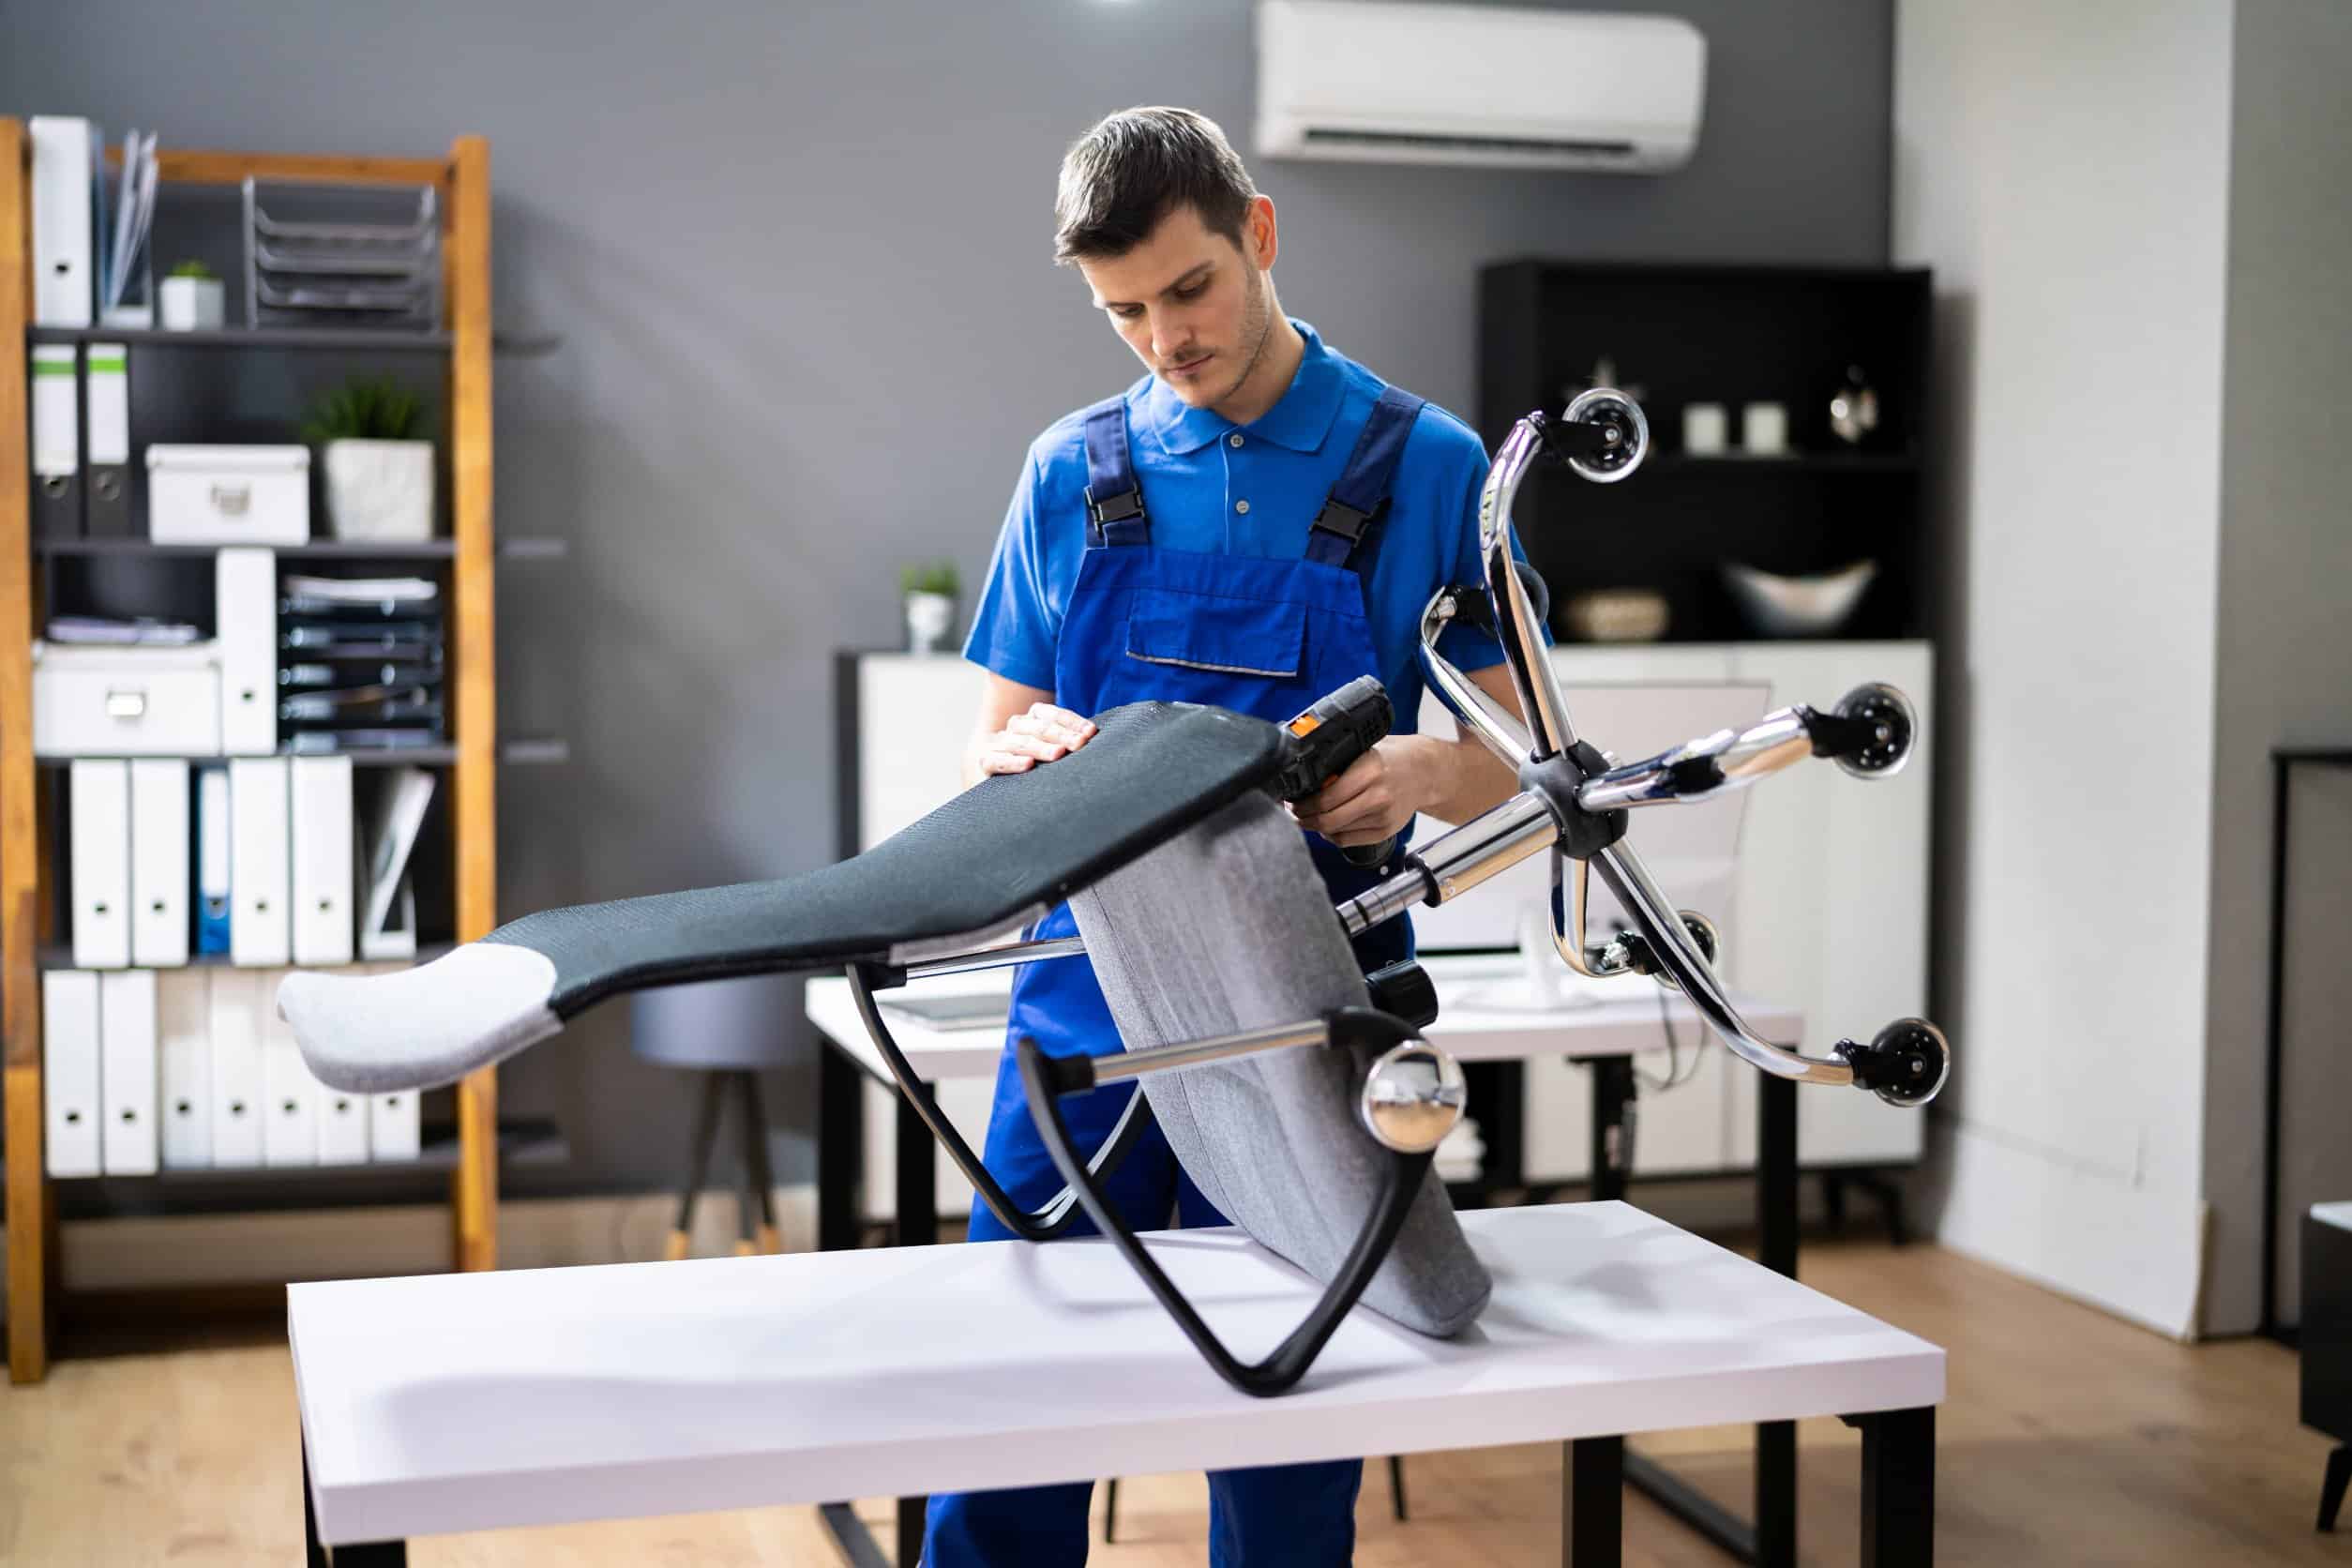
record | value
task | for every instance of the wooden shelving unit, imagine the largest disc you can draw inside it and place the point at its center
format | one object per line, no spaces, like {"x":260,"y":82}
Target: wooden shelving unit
{"x":471,"y":759}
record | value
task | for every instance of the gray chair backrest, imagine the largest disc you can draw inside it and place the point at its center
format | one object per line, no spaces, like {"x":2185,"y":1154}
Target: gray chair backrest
{"x":1228,"y":928}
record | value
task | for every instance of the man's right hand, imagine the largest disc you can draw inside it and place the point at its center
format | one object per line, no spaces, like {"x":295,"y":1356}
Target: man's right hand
{"x":1042,"y":733}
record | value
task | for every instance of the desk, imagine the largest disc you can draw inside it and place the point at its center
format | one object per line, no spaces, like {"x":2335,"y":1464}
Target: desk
{"x":1606,"y":1033}
{"x":446,"y":1403}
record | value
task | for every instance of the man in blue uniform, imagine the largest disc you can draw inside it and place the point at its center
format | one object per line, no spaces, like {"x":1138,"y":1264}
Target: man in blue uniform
{"x":1254,"y":523}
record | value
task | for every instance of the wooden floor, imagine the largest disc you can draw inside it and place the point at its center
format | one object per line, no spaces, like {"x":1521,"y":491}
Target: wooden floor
{"x":2069,"y":1437}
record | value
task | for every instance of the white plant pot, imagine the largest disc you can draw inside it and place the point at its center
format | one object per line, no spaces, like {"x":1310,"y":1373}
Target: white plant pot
{"x":193,"y":304}
{"x":381,"y":491}
{"x":929,"y":618}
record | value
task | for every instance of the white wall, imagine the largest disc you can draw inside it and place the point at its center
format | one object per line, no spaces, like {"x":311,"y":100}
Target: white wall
{"x":2285,"y":644}
{"x":2064,"y":170}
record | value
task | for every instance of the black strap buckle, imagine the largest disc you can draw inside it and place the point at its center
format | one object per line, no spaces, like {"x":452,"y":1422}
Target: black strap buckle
{"x":1339,"y":518}
{"x":1117,"y":508}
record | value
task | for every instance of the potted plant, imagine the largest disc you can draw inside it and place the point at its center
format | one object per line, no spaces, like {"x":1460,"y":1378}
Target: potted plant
{"x":192,"y":299}
{"x":379,"y":472}
{"x":930,"y":592}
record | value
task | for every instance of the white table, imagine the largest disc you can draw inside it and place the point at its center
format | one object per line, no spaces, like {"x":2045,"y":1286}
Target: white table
{"x":1623,"y":1020}
{"x":448,"y":1403}
{"x":1606,"y":1033}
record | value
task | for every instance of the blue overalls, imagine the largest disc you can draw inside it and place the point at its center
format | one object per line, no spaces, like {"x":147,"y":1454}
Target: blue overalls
{"x":1262,"y":637}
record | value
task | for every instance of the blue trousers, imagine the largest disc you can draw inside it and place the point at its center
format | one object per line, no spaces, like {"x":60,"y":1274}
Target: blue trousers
{"x":1273,"y":1516}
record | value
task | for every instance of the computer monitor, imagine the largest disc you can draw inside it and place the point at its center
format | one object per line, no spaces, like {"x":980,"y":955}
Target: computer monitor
{"x":1691,"y":851}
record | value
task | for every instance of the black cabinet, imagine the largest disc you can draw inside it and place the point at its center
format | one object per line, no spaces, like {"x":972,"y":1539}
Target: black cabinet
{"x":1683,"y":335}
{"x":2327,"y":1344}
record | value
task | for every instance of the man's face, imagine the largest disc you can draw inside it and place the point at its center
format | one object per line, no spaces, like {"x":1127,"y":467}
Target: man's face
{"x":1191,"y":303}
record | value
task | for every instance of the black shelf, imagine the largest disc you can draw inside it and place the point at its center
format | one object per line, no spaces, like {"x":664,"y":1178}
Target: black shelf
{"x":521,"y":751}
{"x":527,"y":345}
{"x":59,"y":955}
{"x":523,"y":1145}
{"x":1677,"y":335}
{"x":323,"y":549}
{"x":247,"y":338}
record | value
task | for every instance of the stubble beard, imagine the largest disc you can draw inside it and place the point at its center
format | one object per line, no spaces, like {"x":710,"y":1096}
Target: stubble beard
{"x":1257,"y":326}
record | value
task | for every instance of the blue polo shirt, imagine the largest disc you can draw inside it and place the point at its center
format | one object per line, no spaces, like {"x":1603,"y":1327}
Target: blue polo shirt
{"x":1213,"y":487}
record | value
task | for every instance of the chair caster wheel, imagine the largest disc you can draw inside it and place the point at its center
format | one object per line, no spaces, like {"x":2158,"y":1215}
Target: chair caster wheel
{"x":1906,"y":1065}
{"x":1621,"y":425}
{"x":1897,"y":727}
{"x":1703,"y":933}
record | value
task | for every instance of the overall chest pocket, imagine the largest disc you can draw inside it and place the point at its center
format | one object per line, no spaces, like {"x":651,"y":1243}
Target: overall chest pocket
{"x":1230,"y":637}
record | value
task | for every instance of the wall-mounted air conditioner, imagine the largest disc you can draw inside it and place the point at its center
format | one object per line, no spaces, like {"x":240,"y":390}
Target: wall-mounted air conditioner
{"x":1508,"y":87}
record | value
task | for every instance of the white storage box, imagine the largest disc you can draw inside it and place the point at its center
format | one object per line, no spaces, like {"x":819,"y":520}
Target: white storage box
{"x":93,"y":701}
{"x":228,"y":495}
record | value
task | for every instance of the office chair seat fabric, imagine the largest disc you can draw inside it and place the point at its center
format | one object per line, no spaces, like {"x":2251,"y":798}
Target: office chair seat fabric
{"x":1229,"y":928}
{"x":993,"y":858}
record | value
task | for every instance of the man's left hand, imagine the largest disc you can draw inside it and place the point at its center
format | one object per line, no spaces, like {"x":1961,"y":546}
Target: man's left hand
{"x":1377,"y":795}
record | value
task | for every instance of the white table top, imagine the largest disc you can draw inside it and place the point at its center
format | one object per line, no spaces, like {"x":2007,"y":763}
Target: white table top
{"x":1479,"y":1019}
{"x":471,"y":1401}
{"x":2337,"y":1214}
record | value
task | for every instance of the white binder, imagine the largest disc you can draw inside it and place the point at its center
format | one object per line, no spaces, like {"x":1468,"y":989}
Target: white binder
{"x":56,"y":398}
{"x":322,"y":801}
{"x":100,"y":848}
{"x":343,"y":1120}
{"x":394,"y":1131}
{"x":260,"y":884}
{"x":290,"y":1095}
{"x":395,"y":1127}
{"x":183,"y":1029}
{"x":63,"y":281}
{"x":159,"y":914}
{"x":126,"y":1071}
{"x":245,"y":589}
{"x":237,"y":1064}
{"x":70,"y":1070}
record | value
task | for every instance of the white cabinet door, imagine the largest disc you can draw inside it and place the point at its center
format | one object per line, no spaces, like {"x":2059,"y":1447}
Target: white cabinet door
{"x":1833,"y":895}
{"x":915,"y":712}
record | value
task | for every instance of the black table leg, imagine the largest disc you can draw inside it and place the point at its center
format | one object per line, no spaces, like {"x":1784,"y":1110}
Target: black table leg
{"x":1776,"y":1228}
{"x":1593,"y":1504}
{"x":840,"y":1146}
{"x":2331,"y":1489}
{"x":1612,"y":1125}
{"x":1770,"y":1542}
{"x":849,"y":1533}
{"x":916,"y":1204}
{"x":1898,"y":1488}
{"x":914,"y":1174}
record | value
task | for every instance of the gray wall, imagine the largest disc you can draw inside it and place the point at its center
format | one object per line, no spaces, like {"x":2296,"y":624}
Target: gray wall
{"x":800,"y":258}
{"x":2283,"y":643}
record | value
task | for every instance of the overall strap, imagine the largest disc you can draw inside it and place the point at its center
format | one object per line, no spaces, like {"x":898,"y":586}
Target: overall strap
{"x":1114,"y":500}
{"x":1338,"y":537}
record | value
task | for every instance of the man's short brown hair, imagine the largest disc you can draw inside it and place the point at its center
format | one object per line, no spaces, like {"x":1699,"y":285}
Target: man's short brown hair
{"x":1134,"y":168}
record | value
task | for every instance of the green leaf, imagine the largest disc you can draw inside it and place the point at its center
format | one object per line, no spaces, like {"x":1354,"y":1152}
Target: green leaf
{"x":365,"y":409}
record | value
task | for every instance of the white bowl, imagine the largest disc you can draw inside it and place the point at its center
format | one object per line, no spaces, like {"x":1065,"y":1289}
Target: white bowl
{"x":1797,"y":606}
